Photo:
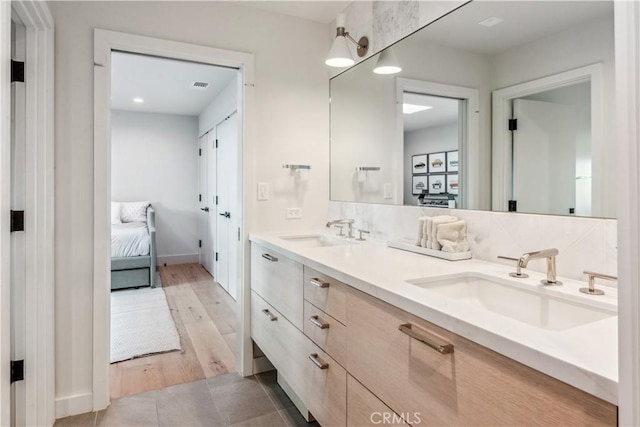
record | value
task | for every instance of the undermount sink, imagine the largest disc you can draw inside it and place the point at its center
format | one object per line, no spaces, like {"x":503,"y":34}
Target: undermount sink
{"x":316,"y":240}
{"x":499,"y":297}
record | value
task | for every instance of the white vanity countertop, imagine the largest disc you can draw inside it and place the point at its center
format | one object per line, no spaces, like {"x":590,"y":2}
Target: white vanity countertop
{"x":585,"y":356}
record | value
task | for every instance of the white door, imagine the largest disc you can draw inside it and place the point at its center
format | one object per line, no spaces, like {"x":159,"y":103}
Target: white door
{"x":228,"y":211}
{"x":206,"y":245}
{"x":18,"y":246}
{"x":544,"y":157}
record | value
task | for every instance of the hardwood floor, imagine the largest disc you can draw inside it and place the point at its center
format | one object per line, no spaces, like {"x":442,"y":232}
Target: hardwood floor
{"x":205,"y":318}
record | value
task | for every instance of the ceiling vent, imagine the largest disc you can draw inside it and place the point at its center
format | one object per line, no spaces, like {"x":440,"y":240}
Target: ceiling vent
{"x":199,"y":85}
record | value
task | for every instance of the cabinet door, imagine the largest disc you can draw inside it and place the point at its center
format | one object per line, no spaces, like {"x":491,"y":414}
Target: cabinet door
{"x":326,"y":332}
{"x":326,"y":387}
{"x":470,"y":386}
{"x":283,"y":344}
{"x":326,"y":293}
{"x":278,"y":280}
{"x":364,"y":409}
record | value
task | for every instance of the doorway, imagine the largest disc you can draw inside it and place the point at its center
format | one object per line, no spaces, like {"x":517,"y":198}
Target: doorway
{"x":106,"y":43}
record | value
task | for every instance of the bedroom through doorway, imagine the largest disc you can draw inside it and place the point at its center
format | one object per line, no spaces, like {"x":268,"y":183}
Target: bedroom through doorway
{"x":173,"y":320}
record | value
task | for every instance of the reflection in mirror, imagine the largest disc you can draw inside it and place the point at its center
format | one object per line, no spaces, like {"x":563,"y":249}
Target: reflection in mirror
{"x":521,"y":96}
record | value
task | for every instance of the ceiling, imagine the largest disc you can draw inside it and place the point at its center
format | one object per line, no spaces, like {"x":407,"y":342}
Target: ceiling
{"x":319,"y":11}
{"x":523,"y":22}
{"x":444,"y":110}
{"x":165,"y":85}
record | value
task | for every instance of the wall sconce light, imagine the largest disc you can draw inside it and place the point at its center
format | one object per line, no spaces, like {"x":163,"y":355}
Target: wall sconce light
{"x":339,"y":54}
{"x":387,"y":63}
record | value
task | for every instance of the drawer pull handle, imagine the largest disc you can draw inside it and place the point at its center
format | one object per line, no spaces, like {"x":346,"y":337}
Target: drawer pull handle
{"x":269,"y":315}
{"x":270,"y":257}
{"x":432,"y":341}
{"x":319,"y":283}
{"x":320,"y":324}
{"x":316,"y":361}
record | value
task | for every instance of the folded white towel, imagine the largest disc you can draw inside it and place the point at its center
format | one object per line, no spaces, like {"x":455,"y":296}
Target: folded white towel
{"x":420,"y":230}
{"x":453,"y":236}
{"x":426,"y":230}
{"x":436,"y":222}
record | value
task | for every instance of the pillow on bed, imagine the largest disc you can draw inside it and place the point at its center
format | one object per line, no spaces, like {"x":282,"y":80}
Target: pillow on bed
{"x":116,"y":209}
{"x":134,"y":211}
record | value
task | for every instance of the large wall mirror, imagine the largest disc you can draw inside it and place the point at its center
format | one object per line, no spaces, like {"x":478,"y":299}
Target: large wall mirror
{"x":500,"y":105}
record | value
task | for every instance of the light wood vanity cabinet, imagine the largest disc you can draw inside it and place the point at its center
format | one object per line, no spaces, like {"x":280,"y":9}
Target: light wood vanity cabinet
{"x":470,"y":386}
{"x":344,"y":355}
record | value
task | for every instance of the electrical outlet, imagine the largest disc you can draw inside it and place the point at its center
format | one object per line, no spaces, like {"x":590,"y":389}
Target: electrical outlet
{"x":387,"y":191}
{"x":263,"y":191}
{"x":294,"y":213}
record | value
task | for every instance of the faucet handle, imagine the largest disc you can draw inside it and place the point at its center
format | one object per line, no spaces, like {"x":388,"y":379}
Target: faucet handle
{"x":362,"y":239}
{"x":518,"y":273}
{"x":591,"y":290}
{"x":341,"y":228}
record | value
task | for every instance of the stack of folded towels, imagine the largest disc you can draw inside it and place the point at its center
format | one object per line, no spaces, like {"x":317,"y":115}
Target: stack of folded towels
{"x":442,"y":233}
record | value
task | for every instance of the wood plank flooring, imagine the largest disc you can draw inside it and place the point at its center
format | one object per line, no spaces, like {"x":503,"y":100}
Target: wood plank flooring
{"x":205,"y":318}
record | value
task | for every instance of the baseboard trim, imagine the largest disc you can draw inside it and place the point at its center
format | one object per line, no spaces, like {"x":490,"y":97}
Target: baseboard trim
{"x":179,"y":259}
{"x":74,"y":405}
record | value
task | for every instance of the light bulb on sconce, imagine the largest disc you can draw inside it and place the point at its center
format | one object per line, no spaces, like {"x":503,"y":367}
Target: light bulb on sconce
{"x":339,"y":54}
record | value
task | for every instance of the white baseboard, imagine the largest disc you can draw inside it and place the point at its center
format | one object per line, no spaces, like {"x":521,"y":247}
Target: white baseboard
{"x":74,"y":405}
{"x":179,"y":259}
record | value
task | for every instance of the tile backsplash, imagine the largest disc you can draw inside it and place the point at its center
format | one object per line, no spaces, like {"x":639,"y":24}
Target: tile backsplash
{"x":584,"y":243}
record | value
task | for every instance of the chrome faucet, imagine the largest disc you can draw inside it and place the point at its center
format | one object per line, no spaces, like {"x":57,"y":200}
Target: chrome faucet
{"x":348,"y":222}
{"x":550,"y":255}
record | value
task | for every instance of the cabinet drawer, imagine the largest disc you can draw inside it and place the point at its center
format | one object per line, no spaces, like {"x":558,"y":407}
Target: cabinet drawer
{"x":326,"y":332}
{"x":470,"y":386}
{"x":326,"y":387}
{"x":278,"y":280}
{"x":364,"y":409}
{"x":326,"y":293}
{"x":282,"y":343}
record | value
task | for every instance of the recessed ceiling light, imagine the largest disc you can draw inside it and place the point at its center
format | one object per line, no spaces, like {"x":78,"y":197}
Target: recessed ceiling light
{"x":412,"y":108}
{"x":138,"y":100}
{"x":490,"y":22}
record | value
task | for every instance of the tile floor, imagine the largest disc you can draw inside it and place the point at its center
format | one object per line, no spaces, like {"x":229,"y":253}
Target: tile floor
{"x":224,"y":400}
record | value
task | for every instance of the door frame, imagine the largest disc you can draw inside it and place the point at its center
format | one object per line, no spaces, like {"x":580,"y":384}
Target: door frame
{"x":104,"y":42}
{"x":470,"y":179}
{"x":39,"y":211}
{"x":501,"y":112}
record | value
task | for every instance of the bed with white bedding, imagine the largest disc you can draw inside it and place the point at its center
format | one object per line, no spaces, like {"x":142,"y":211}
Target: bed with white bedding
{"x":133,"y":245}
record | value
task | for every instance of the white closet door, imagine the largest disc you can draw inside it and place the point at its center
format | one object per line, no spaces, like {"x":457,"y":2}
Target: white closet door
{"x":544,"y":157}
{"x":228,"y":214}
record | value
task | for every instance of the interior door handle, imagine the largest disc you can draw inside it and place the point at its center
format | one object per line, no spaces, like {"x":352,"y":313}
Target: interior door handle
{"x":204,"y":209}
{"x":225,"y":214}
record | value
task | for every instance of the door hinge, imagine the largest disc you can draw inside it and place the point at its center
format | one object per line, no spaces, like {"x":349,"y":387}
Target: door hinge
{"x":513,"y":124}
{"x":199,"y":243}
{"x":199,"y":151}
{"x":216,"y":200}
{"x":17,"y":71}
{"x":216,"y":256}
{"x":199,"y":197}
{"x":513,"y":206}
{"x":17,"y":221}
{"x":17,"y":370}
{"x":216,"y":143}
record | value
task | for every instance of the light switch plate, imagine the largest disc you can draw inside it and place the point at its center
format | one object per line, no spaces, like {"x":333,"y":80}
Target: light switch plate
{"x":294,"y":213}
{"x":387,"y":191}
{"x":263,"y":191}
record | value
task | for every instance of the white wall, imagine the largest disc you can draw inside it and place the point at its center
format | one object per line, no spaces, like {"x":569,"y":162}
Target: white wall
{"x":433,"y":139}
{"x":225,"y":103}
{"x":154,"y":158}
{"x":291,"y":123}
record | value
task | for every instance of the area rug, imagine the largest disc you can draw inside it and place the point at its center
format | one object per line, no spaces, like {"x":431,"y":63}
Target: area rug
{"x":141,"y":324}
